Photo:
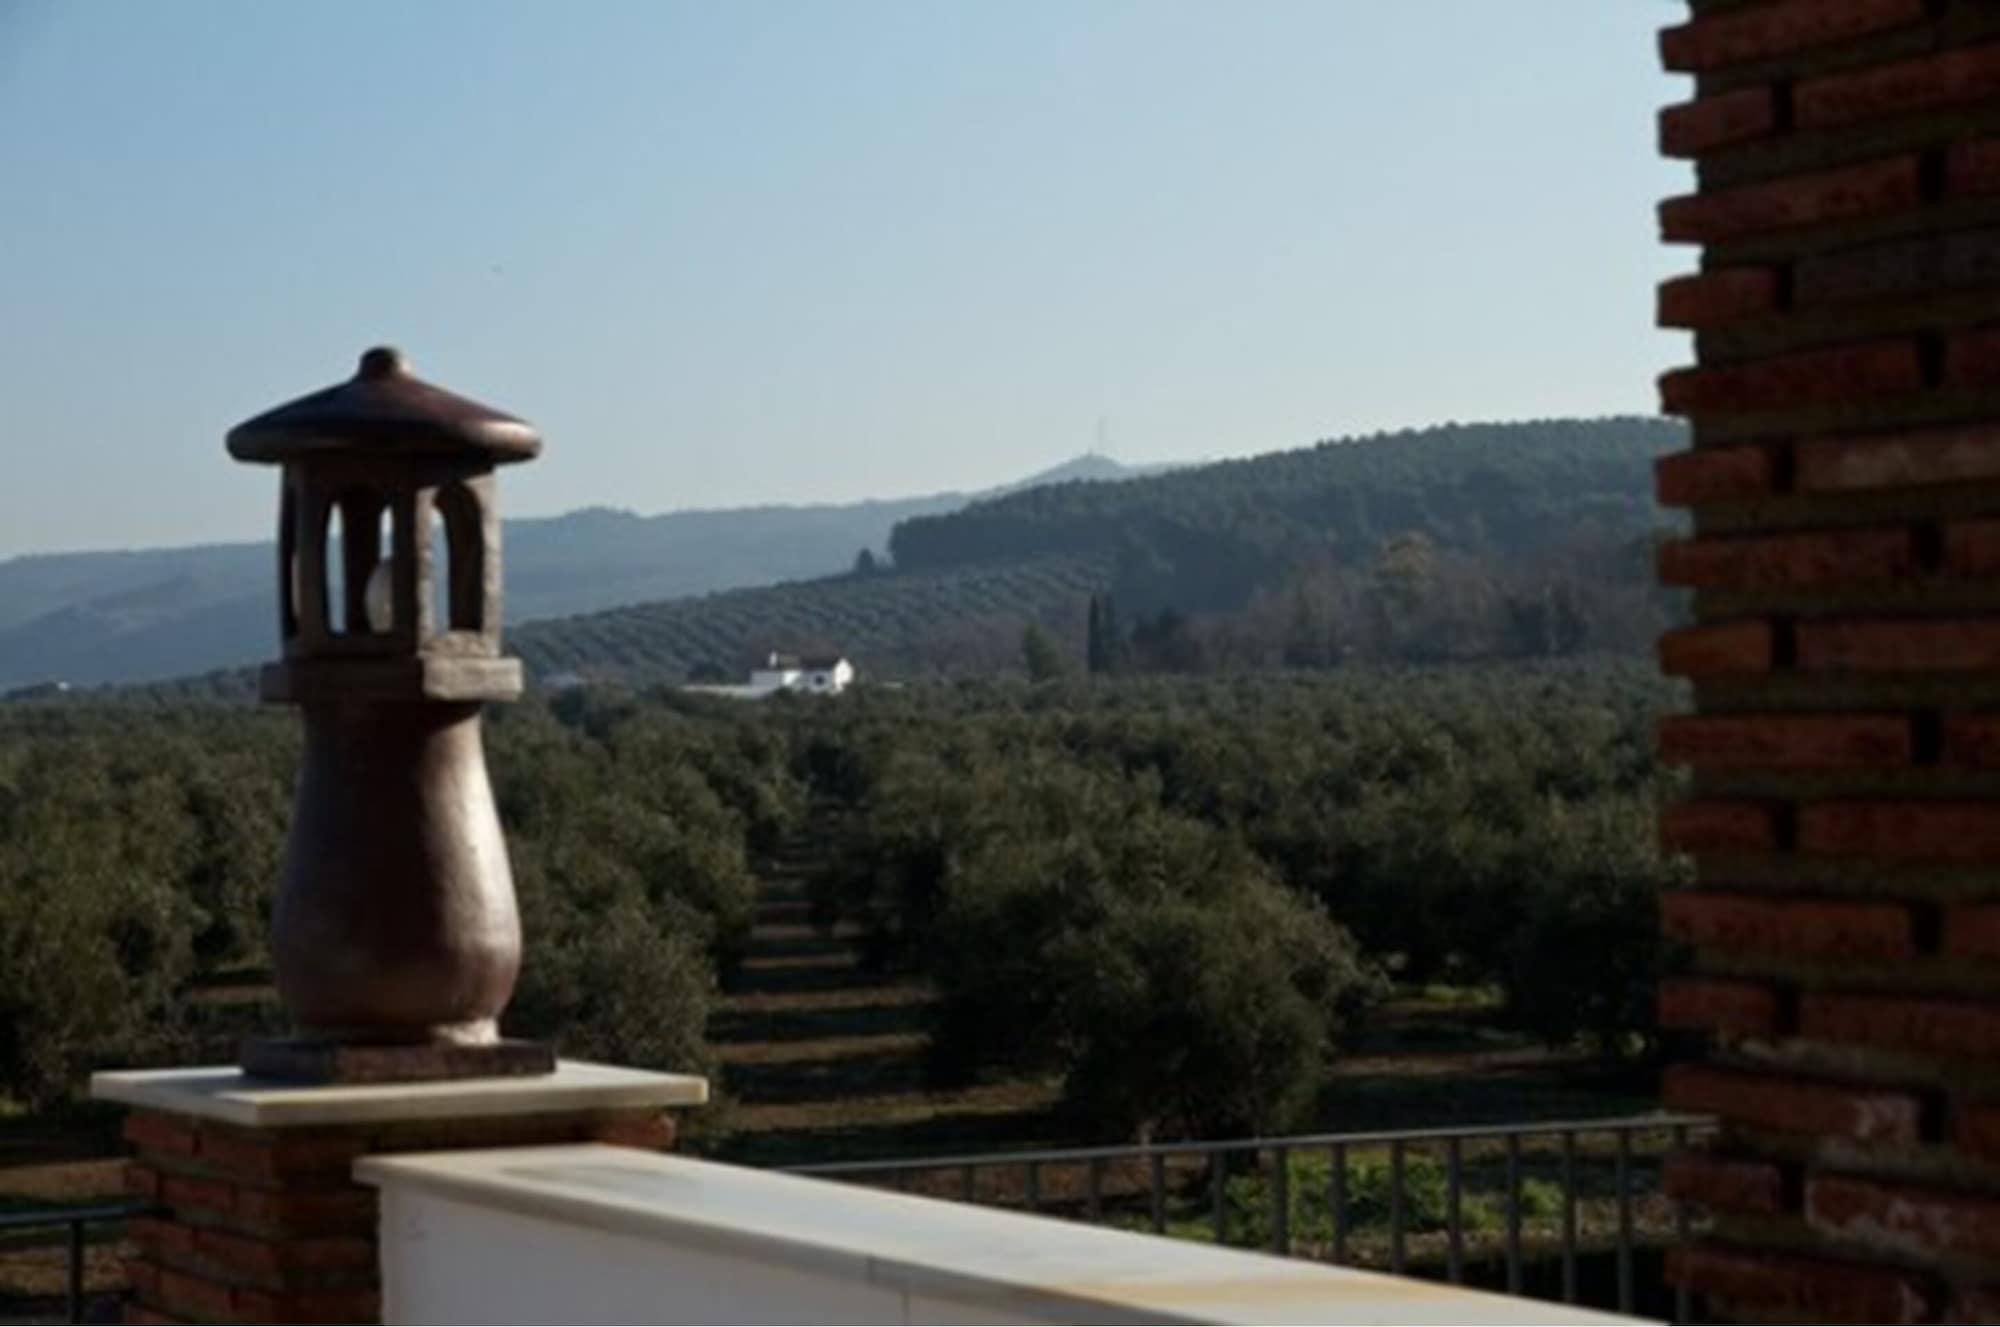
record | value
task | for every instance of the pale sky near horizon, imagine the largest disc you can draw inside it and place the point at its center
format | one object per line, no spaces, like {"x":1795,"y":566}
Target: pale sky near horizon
{"x":731,"y":253}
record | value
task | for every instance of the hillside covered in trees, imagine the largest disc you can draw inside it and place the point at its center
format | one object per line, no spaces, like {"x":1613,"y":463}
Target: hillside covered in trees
{"x":1464,"y":542}
{"x":141,"y":614}
{"x":1460,"y":543}
{"x":1207,"y":538}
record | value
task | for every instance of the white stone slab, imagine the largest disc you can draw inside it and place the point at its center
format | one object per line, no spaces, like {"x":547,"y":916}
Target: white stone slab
{"x":225,"y":1093}
{"x":979,"y":1263}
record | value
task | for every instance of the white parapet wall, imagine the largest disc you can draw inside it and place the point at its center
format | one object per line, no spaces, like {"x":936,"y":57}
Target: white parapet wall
{"x":610,"y":1235}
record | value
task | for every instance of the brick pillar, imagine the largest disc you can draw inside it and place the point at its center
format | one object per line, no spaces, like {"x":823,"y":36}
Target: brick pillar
{"x":259,"y":1219}
{"x":1844,"y":484}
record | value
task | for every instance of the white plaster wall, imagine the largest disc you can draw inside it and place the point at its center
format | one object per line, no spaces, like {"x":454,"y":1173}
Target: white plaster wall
{"x":446,"y":1261}
{"x":588,"y":1233}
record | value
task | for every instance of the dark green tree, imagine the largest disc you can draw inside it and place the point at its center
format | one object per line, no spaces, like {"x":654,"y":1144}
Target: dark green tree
{"x":1042,"y":656}
{"x":1106,"y":649}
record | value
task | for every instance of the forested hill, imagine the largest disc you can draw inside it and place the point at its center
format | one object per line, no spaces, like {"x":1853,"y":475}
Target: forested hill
{"x":128,"y":616}
{"x":1449,"y":544}
{"x":1207,"y":537}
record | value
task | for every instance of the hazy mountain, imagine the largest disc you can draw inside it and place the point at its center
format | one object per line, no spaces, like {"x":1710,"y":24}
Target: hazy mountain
{"x":1208,"y":537}
{"x":1549,"y":498}
{"x":134,"y":615}
{"x":1517,"y":508}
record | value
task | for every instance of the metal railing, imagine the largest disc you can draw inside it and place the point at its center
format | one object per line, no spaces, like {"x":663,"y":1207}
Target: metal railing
{"x":1489,"y":1204}
{"x":74,"y":1221}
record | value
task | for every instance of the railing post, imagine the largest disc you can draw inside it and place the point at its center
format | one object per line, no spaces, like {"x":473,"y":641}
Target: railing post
{"x":1158,"y":1179}
{"x":1569,"y":1216}
{"x":76,"y":1271}
{"x":1513,"y":1213}
{"x":1031,"y":1186}
{"x":1337,"y":1196}
{"x":1455,"y":1210}
{"x":1396,"y":1250}
{"x":1094,"y":1189}
{"x":1281,"y":1201}
{"x":1218,"y":1198}
{"x":1625,"y":1218}
{"x":1682,"y":1306}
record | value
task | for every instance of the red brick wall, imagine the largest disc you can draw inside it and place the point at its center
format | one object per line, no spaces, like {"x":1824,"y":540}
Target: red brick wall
{"x":1842,"y":1012}
{"x":268,"y":1225}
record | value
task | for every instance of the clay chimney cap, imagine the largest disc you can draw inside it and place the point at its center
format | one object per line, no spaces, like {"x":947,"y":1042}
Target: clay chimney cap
{"x":383,"y":409}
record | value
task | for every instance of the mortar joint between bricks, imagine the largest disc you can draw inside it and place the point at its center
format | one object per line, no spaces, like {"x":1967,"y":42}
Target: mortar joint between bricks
{"x":1927,"y":926}
{"x":1785,"y":827}
{"x":1784,"y":464}
{"x":1933,"y":174}
{"x":1926,"y":737}
{"x":1929,"y":542}
{"x":1784,"y":644}
{"x":1781,"y":104}
{"x":1933,"y":351}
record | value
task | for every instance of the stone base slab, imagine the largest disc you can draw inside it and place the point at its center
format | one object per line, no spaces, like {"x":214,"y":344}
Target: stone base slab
{"x":309,"y":1060}
{"x":227,"y":1095}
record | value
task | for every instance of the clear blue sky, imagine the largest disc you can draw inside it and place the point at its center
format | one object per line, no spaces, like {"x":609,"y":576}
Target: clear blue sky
{"x":738,"y":252}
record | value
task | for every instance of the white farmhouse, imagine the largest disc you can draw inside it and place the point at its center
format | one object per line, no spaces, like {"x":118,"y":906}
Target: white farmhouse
{"x":817,"y":675}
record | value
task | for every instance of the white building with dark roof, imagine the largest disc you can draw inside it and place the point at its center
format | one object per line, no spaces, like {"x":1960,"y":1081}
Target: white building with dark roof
{"x":815,"y":675}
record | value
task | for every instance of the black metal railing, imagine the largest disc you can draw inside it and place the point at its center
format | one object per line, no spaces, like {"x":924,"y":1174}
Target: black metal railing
{"x":1516,"y":1207}
{"x":74,"y":1222}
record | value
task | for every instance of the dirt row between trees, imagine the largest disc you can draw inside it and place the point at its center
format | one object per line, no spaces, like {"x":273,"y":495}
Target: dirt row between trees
{"x":822,"y":1060}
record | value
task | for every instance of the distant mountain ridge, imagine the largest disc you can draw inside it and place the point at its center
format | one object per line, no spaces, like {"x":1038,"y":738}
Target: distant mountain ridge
{"x":136,"y":615}
{"x":1551,"y":498}
{"x":1462,"y":541}
{"x":1205,"y":537}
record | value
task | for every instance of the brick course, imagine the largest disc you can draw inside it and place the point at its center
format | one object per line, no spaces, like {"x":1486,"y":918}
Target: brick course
{"x":1972,"y":548}
{"x":1829,"y":557}
{"x":1975,"y":1129}
{"x":1875,"y":645}
{"x":1972,"y":930}
{"x":1715,"y":299}
{"x":1972,"y":741}
{"x":1843,"y":194}
{"x":1764,"y":741}
{"x":1729,"y":647}
{"x":1801,"y":1289}
{"x":1722,"y":1183}
{"x":1898,"y":269}
{"x":1733,"y":1008}
{"x":1847,"y":373}
{"x":1898,"y":460}
{"x":1953,"y":1028}
{"x":1851,"y":1112}
{"x":1972,"y":170}
{"x":1903,"y":1217}
{"x":1716,"y":474}
{"x":1695,"y":127}
{"x":1719,"y":826}
{"x":1844,"y":563}
{"x":1972,"y":359}
{"x":1953,"y":78}
{"x":1917,"y":831}
{"x":1760,"y":31}
{"x":1826,"y":928}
